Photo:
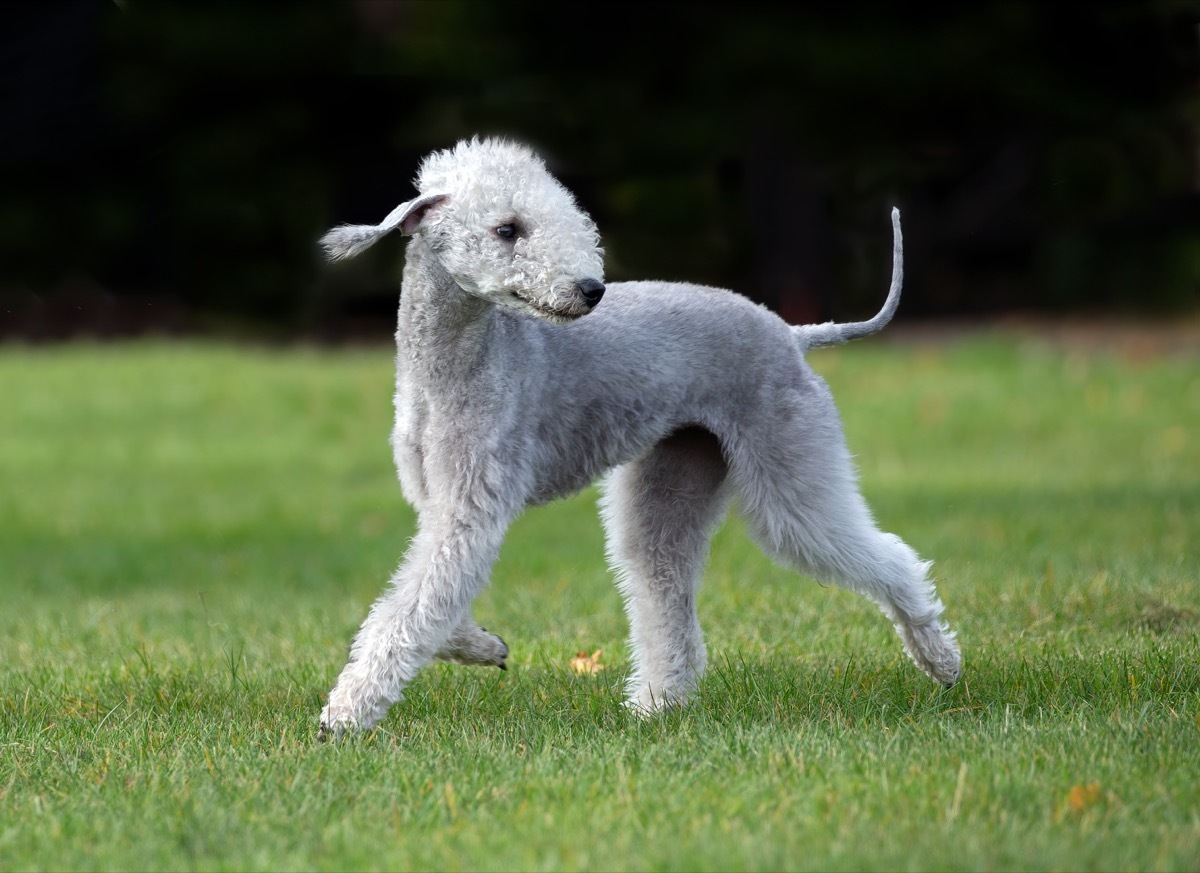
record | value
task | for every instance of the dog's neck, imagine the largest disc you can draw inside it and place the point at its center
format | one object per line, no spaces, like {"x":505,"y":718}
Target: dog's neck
{"x":437,"y":314}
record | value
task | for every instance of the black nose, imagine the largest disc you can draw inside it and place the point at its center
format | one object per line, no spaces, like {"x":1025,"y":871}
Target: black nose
{"x":591,"y":290}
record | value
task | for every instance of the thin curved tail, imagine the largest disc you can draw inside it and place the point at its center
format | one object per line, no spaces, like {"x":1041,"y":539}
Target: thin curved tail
{"x":830,"y":333}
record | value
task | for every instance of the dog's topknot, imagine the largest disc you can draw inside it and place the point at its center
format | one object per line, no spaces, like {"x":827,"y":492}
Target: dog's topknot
{"x":469,"y":159}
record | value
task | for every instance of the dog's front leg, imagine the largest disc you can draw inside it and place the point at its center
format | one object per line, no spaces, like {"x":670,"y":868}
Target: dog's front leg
{"x":447,"y":565}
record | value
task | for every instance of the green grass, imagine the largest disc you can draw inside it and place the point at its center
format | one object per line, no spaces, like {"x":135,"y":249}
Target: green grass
{"x":189,"y":536}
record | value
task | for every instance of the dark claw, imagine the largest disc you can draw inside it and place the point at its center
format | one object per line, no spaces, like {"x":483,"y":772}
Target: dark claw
{"x":502,"y":665}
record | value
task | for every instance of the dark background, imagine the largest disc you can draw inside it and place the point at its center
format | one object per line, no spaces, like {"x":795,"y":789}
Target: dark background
{"x":167,"y":167}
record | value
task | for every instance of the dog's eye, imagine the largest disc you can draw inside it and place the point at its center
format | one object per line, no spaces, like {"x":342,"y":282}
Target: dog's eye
{"x":507,"y":231}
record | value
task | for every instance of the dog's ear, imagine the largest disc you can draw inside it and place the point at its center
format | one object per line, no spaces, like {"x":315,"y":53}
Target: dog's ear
{"x":347,"y":240}
{"x":409,"y":216}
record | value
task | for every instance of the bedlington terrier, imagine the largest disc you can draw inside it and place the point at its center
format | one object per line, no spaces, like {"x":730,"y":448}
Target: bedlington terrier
{"x":521,"y":378}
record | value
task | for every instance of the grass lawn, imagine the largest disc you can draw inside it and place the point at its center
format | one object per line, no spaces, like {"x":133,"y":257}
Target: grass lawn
{"x":190,"y":534}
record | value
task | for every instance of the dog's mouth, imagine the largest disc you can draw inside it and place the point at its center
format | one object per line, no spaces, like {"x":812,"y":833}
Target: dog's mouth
{"x":555,"y":316}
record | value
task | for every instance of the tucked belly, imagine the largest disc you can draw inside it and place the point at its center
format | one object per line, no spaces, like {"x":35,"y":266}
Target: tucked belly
{"x":552,"y":488}
{"x":581,"y":443}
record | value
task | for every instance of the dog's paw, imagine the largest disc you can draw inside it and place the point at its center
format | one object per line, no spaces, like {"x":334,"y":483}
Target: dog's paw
{"x":352,"y":709}
{"x":476,"y":647}
{"x":494,"y":650}
{"x":934,"y":649}
{"x":646,"y":702}
{"x":333,"y":727}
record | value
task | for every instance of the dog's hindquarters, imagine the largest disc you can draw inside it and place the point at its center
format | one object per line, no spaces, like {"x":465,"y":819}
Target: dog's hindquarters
{"x":799,"y":493}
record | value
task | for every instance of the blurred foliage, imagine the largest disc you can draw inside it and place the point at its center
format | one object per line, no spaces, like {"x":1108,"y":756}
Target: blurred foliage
{"x":170,"y":165}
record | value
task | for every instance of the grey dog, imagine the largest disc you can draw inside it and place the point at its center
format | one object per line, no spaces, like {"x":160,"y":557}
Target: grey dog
{"x":521,"y":378}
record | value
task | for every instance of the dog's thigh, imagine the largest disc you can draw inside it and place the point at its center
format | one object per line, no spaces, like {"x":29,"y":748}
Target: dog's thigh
{"x":659,"y":512}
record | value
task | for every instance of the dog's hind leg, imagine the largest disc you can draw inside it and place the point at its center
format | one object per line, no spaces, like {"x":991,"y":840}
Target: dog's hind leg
{"x":659,"y":513}
{"x":800,"y":495}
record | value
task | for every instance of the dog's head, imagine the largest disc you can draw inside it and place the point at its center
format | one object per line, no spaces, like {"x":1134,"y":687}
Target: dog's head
{"x":502,"y":227}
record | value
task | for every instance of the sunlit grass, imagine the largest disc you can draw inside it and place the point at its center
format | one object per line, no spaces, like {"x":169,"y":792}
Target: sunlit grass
{"x":189,"y":536}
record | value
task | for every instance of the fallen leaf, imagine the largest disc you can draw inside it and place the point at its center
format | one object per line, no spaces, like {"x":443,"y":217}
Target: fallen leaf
{"x":1080,"y":797}
{"x":587,"y":664}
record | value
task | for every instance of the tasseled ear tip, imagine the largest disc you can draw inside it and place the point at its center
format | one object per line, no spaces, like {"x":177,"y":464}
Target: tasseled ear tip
{"x":347,"y":240}
{"x":333,"y":244}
